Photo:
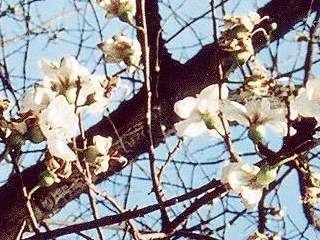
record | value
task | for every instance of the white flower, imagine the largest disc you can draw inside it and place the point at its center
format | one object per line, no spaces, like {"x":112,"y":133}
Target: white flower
{"x":307,"y":103}
{"x":102,"y":144}
{"x":36,"y":99}
{"x":118,"y":8}
{"x":57,"y":146}
{"x":247,"y":22}
{"x":101,"y":164}
{"x":95,"y":92}
{"x":257,"y":114}
{"x":201,"y":112}
{"x":240,"y":177}
{"x":97,"y":154}
{"x":68,"y":78}
{"x":63,"y":74}
{"x":121,"y":48}
{"x":59,"y":117}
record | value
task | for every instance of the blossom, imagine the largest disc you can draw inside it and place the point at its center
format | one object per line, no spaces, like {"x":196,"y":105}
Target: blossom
{"x":63,"y":74}
{"x":102,"y":144}
{"x":307,"y":103}
{"x":200,"y":114}
{"x":121,"y":48}
{"x":240,"y":177}
{"x":58,"y":147}
{"x":101,"y":164}
{"x":96,"y":91}
{"x":68,"y":78}
{"x":248,"y":180}
{"x":119,"y":8}
{"x":59,"y":117}
{"x":247,"y":23}
{"x":97,"y":154}
{"x":257,"y":114}
{"x":36,"y":99}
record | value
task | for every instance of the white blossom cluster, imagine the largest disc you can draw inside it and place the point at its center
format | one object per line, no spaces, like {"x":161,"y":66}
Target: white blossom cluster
{"x":210,"y":111}
{"x":50,"y":111}
{"x":121,"y":48}
{"x":264,"y":104}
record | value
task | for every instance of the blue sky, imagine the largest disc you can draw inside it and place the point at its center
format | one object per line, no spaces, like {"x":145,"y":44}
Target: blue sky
{"x":182,"y":47}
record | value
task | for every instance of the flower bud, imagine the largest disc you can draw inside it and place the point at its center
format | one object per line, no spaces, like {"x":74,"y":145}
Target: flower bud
{"x":266,"y":175}
{"x":210,"y":120}
{"x":91,"y":153}
{"x":126,"y":17}
{"x":35,"y":135}
{"x":47,"y":179}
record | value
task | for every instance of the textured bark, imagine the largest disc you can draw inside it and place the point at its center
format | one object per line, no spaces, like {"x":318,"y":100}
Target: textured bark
{"x":174,"y":81}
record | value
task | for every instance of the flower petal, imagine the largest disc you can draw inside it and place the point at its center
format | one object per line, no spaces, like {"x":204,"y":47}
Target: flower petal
{"x":190,"y":128}
{"x":184,"y":107}
{"x":234,"y":111}
{"x":251,"y":197}
{"x":58,"y":147}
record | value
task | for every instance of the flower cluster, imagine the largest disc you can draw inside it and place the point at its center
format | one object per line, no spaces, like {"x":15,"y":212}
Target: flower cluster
{"x":50,"y":111}
{"x":238,"y":33}
{"x":262,"y":104}
{"x":121,"y":48}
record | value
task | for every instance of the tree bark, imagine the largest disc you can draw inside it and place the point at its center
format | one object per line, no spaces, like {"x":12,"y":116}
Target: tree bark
{"x":174,"y":81}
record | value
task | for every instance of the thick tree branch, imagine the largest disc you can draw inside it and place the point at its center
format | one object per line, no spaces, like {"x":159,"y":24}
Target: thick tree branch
{"x":175,"y":81}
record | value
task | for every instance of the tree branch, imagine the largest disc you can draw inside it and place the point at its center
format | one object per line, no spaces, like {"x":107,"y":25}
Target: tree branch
{"x":175,"y":82}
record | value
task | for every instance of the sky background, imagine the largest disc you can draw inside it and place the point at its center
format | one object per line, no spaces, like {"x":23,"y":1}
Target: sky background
{"x":200,"y":151}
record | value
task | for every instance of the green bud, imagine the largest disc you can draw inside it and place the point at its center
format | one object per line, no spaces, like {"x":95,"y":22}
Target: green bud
{"x":126,"y":17}
{"x":266,"y":175}
{"x":210,"y":120}
{"x":256,"y":134}
{"x":47,"y":179}
{"x":35,"y":135}
{"x":91,"y":153}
